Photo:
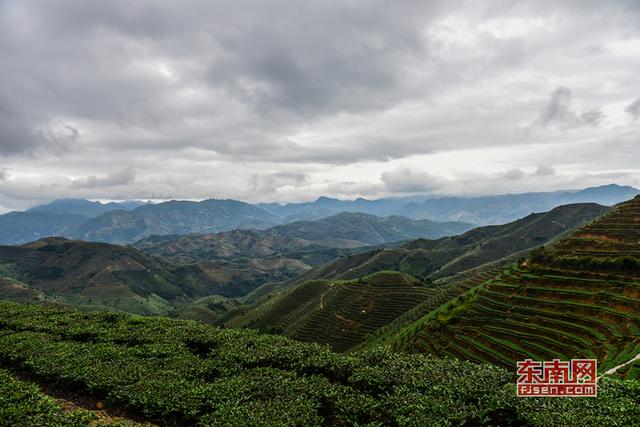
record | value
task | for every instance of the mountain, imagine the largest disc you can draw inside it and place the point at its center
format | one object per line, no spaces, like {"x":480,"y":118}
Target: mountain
{"x":576,"y":298}
{"x":105,"y":276}
{"x":91,"y":274}
{"x":369,"y":229}
{"x":505,"y":208}
{"x":434,"y":264}
{"x":22,"y":227}
{"x":52,"y":219}
{"x":477,"y":210}
{"x":174,"y":217}
{"x":84,"y":207}
{"x":129,"y":221}
{"x":449,"y":255}
{"x":248,"y":259}
{"x":342,"y":231}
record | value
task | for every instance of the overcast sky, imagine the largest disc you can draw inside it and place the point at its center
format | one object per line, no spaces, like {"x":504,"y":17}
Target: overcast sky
{"x":289,"y":100}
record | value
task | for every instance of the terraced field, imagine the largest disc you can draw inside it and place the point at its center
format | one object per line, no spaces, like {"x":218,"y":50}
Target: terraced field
{"x":338,"y":313}
{"x":577,"y":298}
{"x":445,"y":290}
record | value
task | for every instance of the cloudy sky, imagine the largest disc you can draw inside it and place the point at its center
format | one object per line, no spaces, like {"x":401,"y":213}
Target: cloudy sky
{"x":289,"y":100}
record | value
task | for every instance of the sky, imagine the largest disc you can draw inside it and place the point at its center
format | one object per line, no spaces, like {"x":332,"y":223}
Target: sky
{"x":289,"y":100}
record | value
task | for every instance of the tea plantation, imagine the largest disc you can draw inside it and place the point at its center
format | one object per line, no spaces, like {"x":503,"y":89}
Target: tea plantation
{"x":175,"y":372}
{"x":579,"y":297}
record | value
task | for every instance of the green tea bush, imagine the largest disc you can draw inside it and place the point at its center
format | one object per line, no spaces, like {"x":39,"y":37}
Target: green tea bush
{"x":186,"y":373}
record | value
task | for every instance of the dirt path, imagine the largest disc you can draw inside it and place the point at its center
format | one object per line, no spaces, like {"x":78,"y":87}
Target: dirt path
{"x":323,"y":294}
{"x":104,"y":416}
{"x":615,"y":369}
{"x":70,"y":401}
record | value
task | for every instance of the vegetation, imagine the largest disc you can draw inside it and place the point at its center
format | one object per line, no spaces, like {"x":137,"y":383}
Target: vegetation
{"x":450,"y":255}
{"x":338,"y":313}
{"x":22,"y":404}
{"x":579,"y":297}
{"x":389,"y":307}
{"x":186,"y":373}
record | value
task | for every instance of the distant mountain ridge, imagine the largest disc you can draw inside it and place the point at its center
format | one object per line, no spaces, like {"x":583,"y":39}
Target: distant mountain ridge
{"x":173,"y":217}
{"x":449,"y":255}
{"x":127,"y":222}
{"x":85,"y":207}
{"x":483,"y":210}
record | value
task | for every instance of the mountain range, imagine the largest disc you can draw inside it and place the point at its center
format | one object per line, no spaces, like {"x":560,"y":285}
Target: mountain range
{"x":484,"y":210}
{"x":169,"y":271}
{"x":130,"y":221}
{"x":342,"y":231}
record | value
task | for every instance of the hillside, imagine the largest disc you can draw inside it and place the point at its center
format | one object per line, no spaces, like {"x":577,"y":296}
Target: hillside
{"x":447,"y":256}
{"x":93,"y":275}
{"x":337,"y":313}
{"x":174,"y":217}
{"x":185,"y":373}
{"x":578,"y":297}
{"x":369,"y":229}
{"x":105,"y":276}
{"x":22,"y":227}
{"x":449,"y":267}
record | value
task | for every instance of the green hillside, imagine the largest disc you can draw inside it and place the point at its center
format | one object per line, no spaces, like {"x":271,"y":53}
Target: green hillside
{"x":103,"y":276}
{"x":450,"y":255}
{"x":480,"y":253}
{"x":93,"y":275}
{"x":579,"y":297}
{"x":337,"y":313}
{"x":185,"y":373}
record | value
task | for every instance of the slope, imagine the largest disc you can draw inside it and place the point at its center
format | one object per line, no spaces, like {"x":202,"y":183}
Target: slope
{"x":450,"y":267}
{"x":337,"y":313}
{"x":449,"y":255}
{"x":22,"y":227}
{"x":94,"y":275}
{"x":579,"y":297}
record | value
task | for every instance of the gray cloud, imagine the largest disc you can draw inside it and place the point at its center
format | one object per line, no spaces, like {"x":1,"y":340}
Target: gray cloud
{"x":558,"y":112}
{"x":405,"y":180}
{"x":270,"y":183}
{"x":201,"y":92}
{"x":513,"y":174}
{"x":122,"y":177}
{"x":634,"y":109}
{"x":544,"y":170}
